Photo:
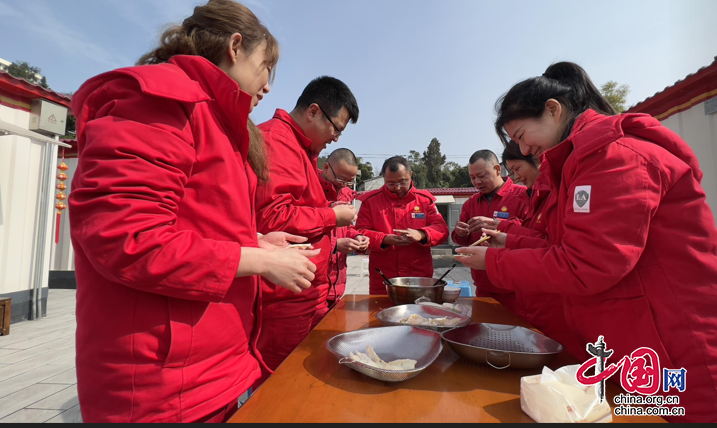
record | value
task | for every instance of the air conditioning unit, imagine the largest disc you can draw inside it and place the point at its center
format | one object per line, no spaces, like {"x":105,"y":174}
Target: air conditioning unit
{"x":48,"y":118}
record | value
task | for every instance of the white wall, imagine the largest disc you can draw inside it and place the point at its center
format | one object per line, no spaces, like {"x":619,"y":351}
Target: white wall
{"x":20,"y":162}
{"x":700,"y":132}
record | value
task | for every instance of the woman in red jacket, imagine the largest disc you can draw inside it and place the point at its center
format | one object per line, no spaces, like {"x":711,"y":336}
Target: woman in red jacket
{"x":633,"y":243}
{"x":162,"y":223}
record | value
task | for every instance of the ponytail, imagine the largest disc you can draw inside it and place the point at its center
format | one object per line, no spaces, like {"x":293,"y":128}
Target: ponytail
{"x":565,"y":82}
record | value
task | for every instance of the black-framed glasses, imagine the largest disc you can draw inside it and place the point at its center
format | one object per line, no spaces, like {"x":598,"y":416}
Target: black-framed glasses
{"x":337,"y":132}
{"x":344,"y":182}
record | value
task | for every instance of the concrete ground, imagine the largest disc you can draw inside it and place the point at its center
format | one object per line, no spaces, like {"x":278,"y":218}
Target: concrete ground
{"x":37,"y":359}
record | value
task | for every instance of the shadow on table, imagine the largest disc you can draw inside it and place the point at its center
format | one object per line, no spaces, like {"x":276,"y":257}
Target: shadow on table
{"x":508,"y":412}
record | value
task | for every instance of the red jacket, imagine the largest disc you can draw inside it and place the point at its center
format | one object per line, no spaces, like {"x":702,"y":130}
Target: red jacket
{"x":160,"y":207}
{"x":381,"y":212}
{"x":510,"y":199}
{"x":635,"y":254}
{"x":541,"y":310}
{"x":337,"y":263}
{"x":293,"y":201}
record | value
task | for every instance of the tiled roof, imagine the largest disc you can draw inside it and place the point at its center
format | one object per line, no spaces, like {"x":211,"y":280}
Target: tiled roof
{"x":24,"y":88}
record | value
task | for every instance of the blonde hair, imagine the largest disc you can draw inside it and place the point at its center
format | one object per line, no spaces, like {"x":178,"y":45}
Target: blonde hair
{"x":206,"y":33}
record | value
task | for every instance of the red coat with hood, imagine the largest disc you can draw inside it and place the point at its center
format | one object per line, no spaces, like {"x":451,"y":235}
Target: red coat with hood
{"x":293,"y":201}
{"x":383,"y":211}
{"x":633,"y":248}
{"x":337,"y":263}
{"x":510,"y":199}
{"x":161,"y":205}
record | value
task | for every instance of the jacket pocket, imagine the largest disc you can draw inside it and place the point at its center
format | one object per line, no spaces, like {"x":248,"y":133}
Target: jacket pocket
{"x":181,"y":328}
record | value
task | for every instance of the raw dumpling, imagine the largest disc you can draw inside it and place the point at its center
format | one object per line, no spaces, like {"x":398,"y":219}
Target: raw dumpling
{"x":370,"y":358}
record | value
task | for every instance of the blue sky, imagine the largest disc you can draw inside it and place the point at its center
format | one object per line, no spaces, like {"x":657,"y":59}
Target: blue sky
{"x":420,"y":69}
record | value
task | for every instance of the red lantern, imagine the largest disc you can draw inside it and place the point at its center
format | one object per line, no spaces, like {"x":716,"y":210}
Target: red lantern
{"x":60,"y":196}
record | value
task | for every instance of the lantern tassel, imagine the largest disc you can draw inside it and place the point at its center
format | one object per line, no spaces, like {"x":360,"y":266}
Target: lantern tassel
{"x":57,"y":228}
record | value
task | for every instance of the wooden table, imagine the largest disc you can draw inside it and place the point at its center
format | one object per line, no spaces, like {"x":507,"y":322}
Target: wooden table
{"x":311,"y":386}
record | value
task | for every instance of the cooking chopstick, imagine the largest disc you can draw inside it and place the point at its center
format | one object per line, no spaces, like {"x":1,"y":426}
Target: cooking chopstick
{"x":480,"y":241}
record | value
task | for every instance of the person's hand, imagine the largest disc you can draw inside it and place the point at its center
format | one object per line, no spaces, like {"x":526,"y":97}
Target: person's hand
{"x":477,"y":223}
{"x":462,"y":229}
{"x":345,"y":215}
{"x":474,"y":257}
{"x":497,"y":240}
{"x":412,"y":234}
{"x":337,"y":203}
{"x":274,"y":240}
{"x":397,"y":240}
{"x":347,"y":245}
{"x":289,"y":268}
{"x":364,"y":242}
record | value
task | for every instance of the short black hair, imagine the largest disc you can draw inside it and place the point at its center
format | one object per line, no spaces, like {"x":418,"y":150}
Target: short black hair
{"x":330,"y":94}
{"x":486,"y":155}
{"x":393,"y":164}
{"x":345,"y":155}
{"x":512,"y":153}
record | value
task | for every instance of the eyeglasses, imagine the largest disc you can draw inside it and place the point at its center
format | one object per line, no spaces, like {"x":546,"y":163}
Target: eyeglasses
{"x":344,"y":182}
{"x":337,"y":132}
{"x":402,"y":183}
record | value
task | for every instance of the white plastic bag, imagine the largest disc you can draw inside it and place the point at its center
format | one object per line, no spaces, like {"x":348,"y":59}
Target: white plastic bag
{"x":558,"y":397}
{"x":453,"y":307}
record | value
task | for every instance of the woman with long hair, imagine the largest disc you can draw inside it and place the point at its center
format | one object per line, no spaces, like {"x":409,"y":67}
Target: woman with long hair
{"x":632,"y":242}
{"x":163,"y":225}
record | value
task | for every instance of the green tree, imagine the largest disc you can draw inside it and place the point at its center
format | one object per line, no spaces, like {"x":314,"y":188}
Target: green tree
{"x":434,"y":161}
{"x":615,"y":94}
{"x":420,"y":180}
{"x":366,"y":170}
{"x":23,"y":70}
{"x":322,"y":160}
{"x":455,"y":175}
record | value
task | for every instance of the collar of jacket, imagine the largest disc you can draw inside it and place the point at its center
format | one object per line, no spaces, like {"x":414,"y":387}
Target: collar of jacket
{"x":394,"y":196}
{"x":229,"y":101}
{"x":329,"y":189}
{"x":301,"y":137}
{"x":503,"y":189}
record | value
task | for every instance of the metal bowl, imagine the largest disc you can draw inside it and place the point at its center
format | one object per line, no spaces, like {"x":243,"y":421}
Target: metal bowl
{"x":406,"y":290}
{"x":390,"y":344}
{"x":393,"y":316}
{"x":502,"y":346}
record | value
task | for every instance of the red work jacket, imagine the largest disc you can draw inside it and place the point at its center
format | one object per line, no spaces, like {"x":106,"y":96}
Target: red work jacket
{"x":381,"y":212}
{"x":541,"y":310}
{"x":510,"y":200}
{"x":293,"y":201}
{"x":161,"y":205}
{"x":633,"y":248}
{"x":337,"y":263}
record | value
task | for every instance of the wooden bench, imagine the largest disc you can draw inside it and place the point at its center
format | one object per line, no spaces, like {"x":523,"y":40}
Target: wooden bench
{"x":5,"y":312}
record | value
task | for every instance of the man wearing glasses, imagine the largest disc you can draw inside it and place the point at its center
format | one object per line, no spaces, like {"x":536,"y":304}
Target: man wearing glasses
{"x":337,"y":178}
{"x":293,"y":201}
{"x":402,"y":223}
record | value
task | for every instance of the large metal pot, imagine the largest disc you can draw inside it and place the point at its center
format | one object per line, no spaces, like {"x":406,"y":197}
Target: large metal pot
{"x":406,"y":290}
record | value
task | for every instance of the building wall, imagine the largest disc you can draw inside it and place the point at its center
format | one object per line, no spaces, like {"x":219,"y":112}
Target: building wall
{"x":20,"y":163}
{"x":700,"y":132}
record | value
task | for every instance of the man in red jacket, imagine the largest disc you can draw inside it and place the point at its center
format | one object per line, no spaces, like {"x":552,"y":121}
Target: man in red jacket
{"x":402,"y":223}
{"x":498,"y":200}
{"x":293,"y":200}
{"x":339,"y":173}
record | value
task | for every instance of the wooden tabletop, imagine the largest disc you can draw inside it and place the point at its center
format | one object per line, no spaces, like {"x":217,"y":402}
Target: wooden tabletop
{"x":311,"y":386}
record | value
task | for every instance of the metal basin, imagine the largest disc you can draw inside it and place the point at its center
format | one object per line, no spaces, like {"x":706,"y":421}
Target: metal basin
{"x":502,"y":346}
{"x":390,"y":343}
{"x":406,"y":290}
{"x":393,"y":316}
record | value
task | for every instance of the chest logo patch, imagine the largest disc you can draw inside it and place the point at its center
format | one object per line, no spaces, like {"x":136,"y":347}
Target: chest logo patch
{"x":417,"y":209}
{"x":504,"y":209}
{"x":581,"y":201}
